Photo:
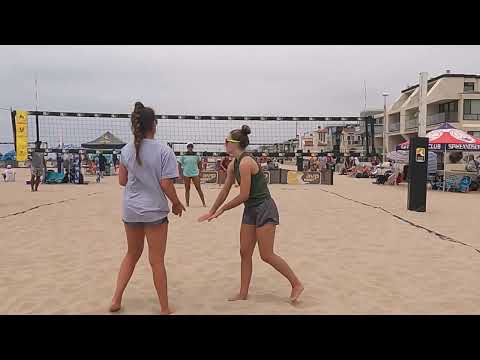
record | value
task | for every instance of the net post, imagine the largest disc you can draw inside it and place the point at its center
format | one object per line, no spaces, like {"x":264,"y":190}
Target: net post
{"x":13,"y":113}
{"x":372,"y":131}
{"x":367,"y":144}
{"x":37,"y":128}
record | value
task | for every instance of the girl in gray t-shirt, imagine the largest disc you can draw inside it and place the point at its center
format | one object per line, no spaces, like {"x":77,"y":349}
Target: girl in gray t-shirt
{"x":147,"y":170}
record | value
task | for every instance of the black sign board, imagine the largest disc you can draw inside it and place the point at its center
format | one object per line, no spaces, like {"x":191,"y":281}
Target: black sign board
{"x":417,"y":174}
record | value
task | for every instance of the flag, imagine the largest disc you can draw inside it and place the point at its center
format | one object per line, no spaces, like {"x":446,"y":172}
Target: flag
{"x":21,"y":126}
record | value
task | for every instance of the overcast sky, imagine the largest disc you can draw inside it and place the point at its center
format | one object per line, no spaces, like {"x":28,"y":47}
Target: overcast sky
{"x":230,"y":80}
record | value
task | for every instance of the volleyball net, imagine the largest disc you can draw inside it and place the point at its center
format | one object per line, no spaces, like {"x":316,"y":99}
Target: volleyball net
{"x":270,"y":134}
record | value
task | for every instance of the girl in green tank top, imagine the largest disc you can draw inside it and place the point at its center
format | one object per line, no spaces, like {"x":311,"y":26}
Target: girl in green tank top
{"x":260,"y":216}
{"x":258,"y":187}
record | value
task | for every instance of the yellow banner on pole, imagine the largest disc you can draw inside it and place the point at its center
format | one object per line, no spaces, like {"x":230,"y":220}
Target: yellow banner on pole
{"x":21,"y":126}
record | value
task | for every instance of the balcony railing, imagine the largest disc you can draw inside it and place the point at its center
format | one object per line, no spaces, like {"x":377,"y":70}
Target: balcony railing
{"x":392,"y":127}
{"x":411,"y":123}
{"x":471,"y":116}
{"x":440,"y":118}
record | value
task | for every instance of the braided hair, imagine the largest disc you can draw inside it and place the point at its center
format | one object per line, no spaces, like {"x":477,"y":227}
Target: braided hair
{"x":143,"y":119}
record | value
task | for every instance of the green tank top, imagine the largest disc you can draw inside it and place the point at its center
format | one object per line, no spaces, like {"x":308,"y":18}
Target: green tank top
{"x":258,"y":188}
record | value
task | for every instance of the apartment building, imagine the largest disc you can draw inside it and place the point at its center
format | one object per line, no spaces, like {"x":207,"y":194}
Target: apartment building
{"x":320,"y":140}
{"x":352,"y":141}
{"x":451,"y":98}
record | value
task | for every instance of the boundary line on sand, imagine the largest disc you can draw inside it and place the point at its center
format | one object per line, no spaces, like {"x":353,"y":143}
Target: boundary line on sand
{"x":411,"y":223}
{"x":42,"y":205}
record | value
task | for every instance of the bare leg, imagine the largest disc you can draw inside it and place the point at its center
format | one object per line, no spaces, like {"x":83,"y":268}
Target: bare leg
{"x":196,"y":182}
{"x":37,"y":182}
{"x":157,"y":243}
{"x":135,"y":236}
{"x":32,"y":182}
{"x":186,"y":180}
{"x":265,"y":238}
{"x":247,"y":246}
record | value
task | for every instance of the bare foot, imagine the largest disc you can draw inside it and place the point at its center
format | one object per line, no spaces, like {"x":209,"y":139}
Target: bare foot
{"x":237,"y":297}
{"x":296,"y":291}
{"x":167,"y":311}
{"x":116,"y":306}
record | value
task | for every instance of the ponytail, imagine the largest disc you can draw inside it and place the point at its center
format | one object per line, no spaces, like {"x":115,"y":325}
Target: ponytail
{"x":143,"y":119}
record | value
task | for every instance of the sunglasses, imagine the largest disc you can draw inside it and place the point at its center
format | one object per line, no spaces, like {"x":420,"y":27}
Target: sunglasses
{"x":232,"y":141}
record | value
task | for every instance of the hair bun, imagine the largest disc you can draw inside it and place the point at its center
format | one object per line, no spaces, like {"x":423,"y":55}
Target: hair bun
{"x":138,"y":106}
{"x":245,"y":130}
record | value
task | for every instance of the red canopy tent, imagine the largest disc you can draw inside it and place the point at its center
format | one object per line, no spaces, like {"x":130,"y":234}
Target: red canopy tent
{"x":447,"y":138}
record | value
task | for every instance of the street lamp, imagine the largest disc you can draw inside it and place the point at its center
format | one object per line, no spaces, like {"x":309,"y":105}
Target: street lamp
{"x":385,"y":95}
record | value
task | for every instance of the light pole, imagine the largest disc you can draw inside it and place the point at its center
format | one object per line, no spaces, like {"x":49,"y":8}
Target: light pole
{"x":385,"y":95}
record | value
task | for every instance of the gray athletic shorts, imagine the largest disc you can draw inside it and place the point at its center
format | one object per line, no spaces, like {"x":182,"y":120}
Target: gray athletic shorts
{"x":36,"y":172}
{"x":265,"y":213}
{"x":158,"y":222}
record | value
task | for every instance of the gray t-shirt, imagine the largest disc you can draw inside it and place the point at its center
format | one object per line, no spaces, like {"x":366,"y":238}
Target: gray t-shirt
{"x":143,"y":198}
{"x":37,"y":160}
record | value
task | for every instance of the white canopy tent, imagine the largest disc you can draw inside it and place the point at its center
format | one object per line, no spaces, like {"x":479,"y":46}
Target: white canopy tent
{"x":402,"y":157}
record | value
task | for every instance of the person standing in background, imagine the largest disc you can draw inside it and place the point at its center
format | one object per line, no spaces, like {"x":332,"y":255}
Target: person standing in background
{"x":66,"y":166}
{"x":103,"y":164}
{"x":191,"y":169}
{"x":223,"y":169}
{"x":204,"y":163}
{"x":115,"y":162}
{"x":36,"y":167}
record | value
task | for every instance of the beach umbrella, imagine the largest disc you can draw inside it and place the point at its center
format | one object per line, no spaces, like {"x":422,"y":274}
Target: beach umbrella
{"x":447,"y":138}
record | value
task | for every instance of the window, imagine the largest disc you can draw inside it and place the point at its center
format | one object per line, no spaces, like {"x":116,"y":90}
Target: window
{"x":471,"y":107}
{"x":448,"y":107}
{"x":468,"y":87}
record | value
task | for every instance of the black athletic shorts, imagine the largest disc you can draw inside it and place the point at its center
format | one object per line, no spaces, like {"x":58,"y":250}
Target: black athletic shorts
{"x":265,"y":213}
{"x":158,"y":222}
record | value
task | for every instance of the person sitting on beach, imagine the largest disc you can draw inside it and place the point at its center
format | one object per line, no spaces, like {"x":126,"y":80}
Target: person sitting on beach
{"x":472,"y":165}
{"x":147,"y":170}
{"x":9,"y":174}
{"x":260,"y":216}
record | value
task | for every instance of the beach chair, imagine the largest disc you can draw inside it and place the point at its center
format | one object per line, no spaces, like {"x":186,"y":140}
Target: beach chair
{"x":452,"y":183}
{"x":464,"y":185}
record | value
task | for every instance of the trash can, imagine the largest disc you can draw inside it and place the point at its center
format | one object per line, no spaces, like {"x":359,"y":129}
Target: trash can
{"x":326,"y":175}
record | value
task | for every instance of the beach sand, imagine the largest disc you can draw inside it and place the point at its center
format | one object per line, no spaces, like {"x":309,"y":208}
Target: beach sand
{"x":62,"y":257}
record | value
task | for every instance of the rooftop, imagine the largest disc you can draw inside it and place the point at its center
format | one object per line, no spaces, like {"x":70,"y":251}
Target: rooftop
{"x":444,"y":76}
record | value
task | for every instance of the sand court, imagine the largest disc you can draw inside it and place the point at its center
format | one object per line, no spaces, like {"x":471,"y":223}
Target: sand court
{"x":62,"y":257}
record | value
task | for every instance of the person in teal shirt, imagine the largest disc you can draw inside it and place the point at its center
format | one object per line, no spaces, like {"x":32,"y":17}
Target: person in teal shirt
{"x":190,"y":164}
